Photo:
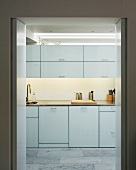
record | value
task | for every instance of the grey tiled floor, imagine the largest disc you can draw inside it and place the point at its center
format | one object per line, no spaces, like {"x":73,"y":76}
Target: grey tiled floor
{"x":70,"y":159}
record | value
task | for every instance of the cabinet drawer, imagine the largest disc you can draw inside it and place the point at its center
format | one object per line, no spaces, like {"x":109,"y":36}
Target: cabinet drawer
{"x":31,"y":111}
{"x":107,"y":108}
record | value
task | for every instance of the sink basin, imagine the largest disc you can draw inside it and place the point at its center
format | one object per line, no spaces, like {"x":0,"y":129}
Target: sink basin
{"x":31,"y":102}
{"x":83,"y":102}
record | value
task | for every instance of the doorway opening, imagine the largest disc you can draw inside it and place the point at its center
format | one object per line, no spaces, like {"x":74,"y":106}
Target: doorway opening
{"x":66,"y":58}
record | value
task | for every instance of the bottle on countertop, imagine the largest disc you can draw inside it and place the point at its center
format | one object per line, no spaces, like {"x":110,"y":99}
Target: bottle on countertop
{"x":91,"y":95}
{"x":34,"y":97}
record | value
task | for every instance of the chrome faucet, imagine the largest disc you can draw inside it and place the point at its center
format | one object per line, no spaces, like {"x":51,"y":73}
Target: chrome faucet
{"x":28,"y":87}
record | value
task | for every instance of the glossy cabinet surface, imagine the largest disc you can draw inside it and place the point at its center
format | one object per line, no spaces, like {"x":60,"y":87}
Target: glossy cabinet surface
{"x":99,"y":69}
{"x":83,"y":126}
{"x":61,"y":53}
{"x":32,"y":69}
{"x":99,"y":53}
{"x":62,"y":70}
{"x":107,"y":129}
{"x":68,"y":61}
{"x":33,"y":53}
{"x":32,"y":132}
{"x":53,"y":125}
{"x":31,"y":126}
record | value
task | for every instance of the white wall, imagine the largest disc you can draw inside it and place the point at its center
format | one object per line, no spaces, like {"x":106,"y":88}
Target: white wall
{"x":63,"y":89}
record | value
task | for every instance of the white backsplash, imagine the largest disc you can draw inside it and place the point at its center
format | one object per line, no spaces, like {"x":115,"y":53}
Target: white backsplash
{"x":63,"y":89}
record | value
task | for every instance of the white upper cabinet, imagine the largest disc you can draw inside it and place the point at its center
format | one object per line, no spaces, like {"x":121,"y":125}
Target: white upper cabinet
{"x":61,"y":53}
{"x":99,"y":53}
{"x":33,"y":53}
{"x":99,"y":69}
{"x":32,"y":69}
{"x":61,"y":69}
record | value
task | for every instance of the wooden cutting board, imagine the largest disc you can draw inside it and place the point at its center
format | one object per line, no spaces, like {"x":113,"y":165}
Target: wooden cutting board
{"x":83,"y":102}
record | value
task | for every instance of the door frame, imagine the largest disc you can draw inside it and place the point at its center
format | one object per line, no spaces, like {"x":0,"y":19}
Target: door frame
{"x":124,"y":115}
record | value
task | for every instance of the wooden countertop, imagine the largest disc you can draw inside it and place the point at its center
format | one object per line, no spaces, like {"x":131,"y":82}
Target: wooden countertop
{"x":68,"y":103}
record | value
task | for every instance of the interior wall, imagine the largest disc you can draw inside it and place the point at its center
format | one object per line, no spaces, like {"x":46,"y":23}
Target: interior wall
{"x":60,"y":8}
{"x":65,"y":89}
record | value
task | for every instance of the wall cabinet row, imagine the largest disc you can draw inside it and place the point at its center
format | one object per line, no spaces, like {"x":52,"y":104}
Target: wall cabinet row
{"x":70,"y":53}
{"x":73,"y":126}
{"x":70,"y":69}
{"x":70,"y":61}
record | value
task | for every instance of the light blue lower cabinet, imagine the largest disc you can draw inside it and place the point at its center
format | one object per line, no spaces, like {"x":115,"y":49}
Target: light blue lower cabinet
{"x":31,"y":126}
{"x":78,"y":126}
{"x":53,"y":126}
{"x":107,"y":129}
{"x":83,"y":126}
{"x":31,"y":132}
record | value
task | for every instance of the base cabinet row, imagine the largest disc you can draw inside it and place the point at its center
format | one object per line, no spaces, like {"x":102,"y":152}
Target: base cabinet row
{"x":73,"y":126}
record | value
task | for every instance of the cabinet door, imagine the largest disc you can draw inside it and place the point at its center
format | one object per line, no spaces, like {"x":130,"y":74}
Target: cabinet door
{"x":32,"y":69}
{"x":62,"y":69}
{"x":53,"y":125}
{"x":107,"y":129}
{"x":31,"y":111}
{"x":99,"y":69}
{"x":91,"y":53}
{"x":99,"y":53}
{"x":61,"y":53}
{"x":33,"y":53}
{"x":83,"y":126}
{"x":31,"y":132}
{"x":107,"y":52}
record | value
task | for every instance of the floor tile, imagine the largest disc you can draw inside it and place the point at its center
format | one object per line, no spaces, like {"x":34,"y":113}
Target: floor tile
{"x":70,"y":159}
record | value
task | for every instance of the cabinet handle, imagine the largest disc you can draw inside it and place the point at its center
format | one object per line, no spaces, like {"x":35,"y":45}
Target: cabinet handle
{"x":112,"y":133}
{"x":84,"y":108}
{"x":104,"y":59}
{"x":104,"y":76}
{"x":61,"y":76}
{"x":53,"y":108}
{"x":61,"y":59}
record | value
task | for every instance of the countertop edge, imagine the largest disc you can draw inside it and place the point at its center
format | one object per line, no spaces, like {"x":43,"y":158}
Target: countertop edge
{"x":68,"y":103}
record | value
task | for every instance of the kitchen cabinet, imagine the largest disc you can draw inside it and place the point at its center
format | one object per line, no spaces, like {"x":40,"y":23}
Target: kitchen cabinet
{"x":83,"y":126}
{"x":31,"y":126}
{"x":107,"y":126}
{"x":61,"y":53}
{"x":99,"y":70}
{"x":32,"y":69}
{"x":53,"y":125}
{"x":99,"y":53}
{"x":62,"y":70}
{"x":33,"y":53}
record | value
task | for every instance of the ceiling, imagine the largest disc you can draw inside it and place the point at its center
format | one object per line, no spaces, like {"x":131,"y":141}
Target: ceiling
{"x":70,"y":25}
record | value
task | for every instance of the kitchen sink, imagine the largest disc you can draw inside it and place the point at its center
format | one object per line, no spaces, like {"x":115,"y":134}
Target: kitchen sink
{"x":83,"y":102}
{"x":31,"y":102}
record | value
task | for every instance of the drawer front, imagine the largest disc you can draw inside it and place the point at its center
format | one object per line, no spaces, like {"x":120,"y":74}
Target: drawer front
{"x":31,"y":111}
{"x":107,"y":108}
